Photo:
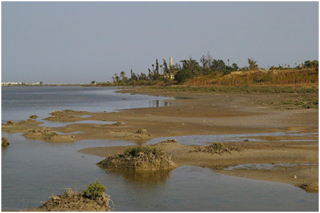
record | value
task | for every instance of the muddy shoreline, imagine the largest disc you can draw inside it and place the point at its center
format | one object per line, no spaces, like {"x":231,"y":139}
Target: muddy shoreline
{"x":209,"y":114}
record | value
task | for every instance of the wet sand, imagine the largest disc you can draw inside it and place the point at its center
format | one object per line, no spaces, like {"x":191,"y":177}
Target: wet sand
{"x":209,"y":114}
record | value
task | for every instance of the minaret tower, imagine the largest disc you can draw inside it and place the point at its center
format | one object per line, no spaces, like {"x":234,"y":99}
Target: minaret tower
{"x":171,"y":63}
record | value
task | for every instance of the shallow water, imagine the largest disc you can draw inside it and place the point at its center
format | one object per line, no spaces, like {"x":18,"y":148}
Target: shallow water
{"x":266,"y":166}
{"x":63,"y":124}
{"x":18,"y":103}
{"x":208,"y":139}
{"x":33,"y":170}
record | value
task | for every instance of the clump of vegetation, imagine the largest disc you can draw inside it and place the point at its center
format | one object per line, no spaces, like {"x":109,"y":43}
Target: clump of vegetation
{"x":209,"y":71}
{"x":141,"y":133}
{"x":33,"y":116}
{"x":119,"y":123}
{"x":237,"y":89}
{"x":138,"y":150}
{"x":217,"y":145}
{"x":94,"y":190}
{"x":311,"y":103}
{"x":76,"y":201}
{"x":304,"y":102}
{"x":170,"y":140}
{"x":10,"y":122}
{"x":215,"y":148}
{"x":4,"y":142}
{"x":48,"y":135}
{"x":139,"y":158}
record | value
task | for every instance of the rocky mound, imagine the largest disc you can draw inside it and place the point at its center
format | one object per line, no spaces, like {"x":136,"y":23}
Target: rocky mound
{"x":9,"y":123}
{"x":65,"y":116}
{"x":4,"y":142}
{"x":21,"y":126}
{"x":12,"y":123}
{"x":139,"y":158}
{"x":75,"y":201}
{"x":119,"y":123}
{"x":215,"y":148}
{"x":141,"y":133}
{"x":62,"y":118}
{"x":48,"y":135}
{"x":168,"y":141}
{"x":33,"y":116}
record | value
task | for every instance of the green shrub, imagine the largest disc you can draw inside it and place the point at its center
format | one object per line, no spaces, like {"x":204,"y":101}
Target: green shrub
{"x":134,"y":151}
{"x":33,"y":116}
{"x":94,"y":190}
{"x":218,"y":145}
{"x":139,"y":131}
{"x":4,"y":142}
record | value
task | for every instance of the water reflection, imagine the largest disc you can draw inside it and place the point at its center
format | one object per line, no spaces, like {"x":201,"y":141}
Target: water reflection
{"x":138,"y":177}
{"x":29,"y":165}
{"x":47,"y":123}
{"x":265,"y":166}
{"x":159,"y":103}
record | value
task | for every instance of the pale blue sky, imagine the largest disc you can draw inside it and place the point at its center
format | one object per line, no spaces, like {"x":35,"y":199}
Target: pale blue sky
{"x":77,"y":42}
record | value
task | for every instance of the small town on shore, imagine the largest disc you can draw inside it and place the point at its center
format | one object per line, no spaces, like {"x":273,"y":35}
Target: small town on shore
{"x":22,"y":84}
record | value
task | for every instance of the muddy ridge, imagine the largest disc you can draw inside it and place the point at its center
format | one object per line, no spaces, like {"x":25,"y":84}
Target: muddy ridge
{"x":73,"y":201}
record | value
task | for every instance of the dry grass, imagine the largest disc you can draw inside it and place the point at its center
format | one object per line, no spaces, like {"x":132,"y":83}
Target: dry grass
{"x":259,"y":77}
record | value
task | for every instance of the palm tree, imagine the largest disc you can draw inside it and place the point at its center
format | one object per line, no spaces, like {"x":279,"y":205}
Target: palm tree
{"x":122,"y":74}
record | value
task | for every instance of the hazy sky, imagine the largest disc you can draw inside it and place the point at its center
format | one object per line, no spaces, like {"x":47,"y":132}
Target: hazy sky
{"x":78,"y":42}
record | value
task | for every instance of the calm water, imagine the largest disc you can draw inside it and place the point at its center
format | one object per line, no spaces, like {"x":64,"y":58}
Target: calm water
{"x":18,"y":103}
{"x":208,"y":139}
{"x":34,"y":170}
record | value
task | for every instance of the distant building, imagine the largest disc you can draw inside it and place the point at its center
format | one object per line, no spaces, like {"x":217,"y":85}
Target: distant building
{"x":170,"y":61}
{"x":172,"y":71}
{"x":11,"y":83}
{"x":20,"y":84}
{"x":32,"y":84}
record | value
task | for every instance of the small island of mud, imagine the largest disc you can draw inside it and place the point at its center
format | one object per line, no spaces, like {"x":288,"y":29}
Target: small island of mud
{"x":91,"y":199}
{"x":48,"y":135}
{"x":66,"y":116}
{"x":4,"y":142}
{"x":139,"y":158}
{"x":21,"y":126}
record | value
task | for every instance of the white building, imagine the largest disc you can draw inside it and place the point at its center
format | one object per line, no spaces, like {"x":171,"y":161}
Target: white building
{"x":19,"y":84}
{"x":10,"y":83}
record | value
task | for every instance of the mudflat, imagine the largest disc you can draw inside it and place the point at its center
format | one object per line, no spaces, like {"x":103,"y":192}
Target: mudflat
{"x":209,"y":113}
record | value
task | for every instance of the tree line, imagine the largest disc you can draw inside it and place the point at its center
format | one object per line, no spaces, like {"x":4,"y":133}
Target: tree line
{"x":190,"y":68}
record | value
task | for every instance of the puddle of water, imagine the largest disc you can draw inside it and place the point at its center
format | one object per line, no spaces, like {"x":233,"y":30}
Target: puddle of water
{"x":63,"y":124}
{"x":93,"y":122}
{"x":265,"y":166}
{"x":208,"y":139}
{"x":85,"y":116}
{"x":69,"y":133}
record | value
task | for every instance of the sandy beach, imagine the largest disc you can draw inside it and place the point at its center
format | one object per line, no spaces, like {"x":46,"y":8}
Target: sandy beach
{"x":209,"y":114}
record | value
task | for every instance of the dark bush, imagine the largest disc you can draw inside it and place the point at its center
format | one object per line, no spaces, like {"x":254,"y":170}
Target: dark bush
{"x":94,"y":190}
{"x":134,"y":151}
